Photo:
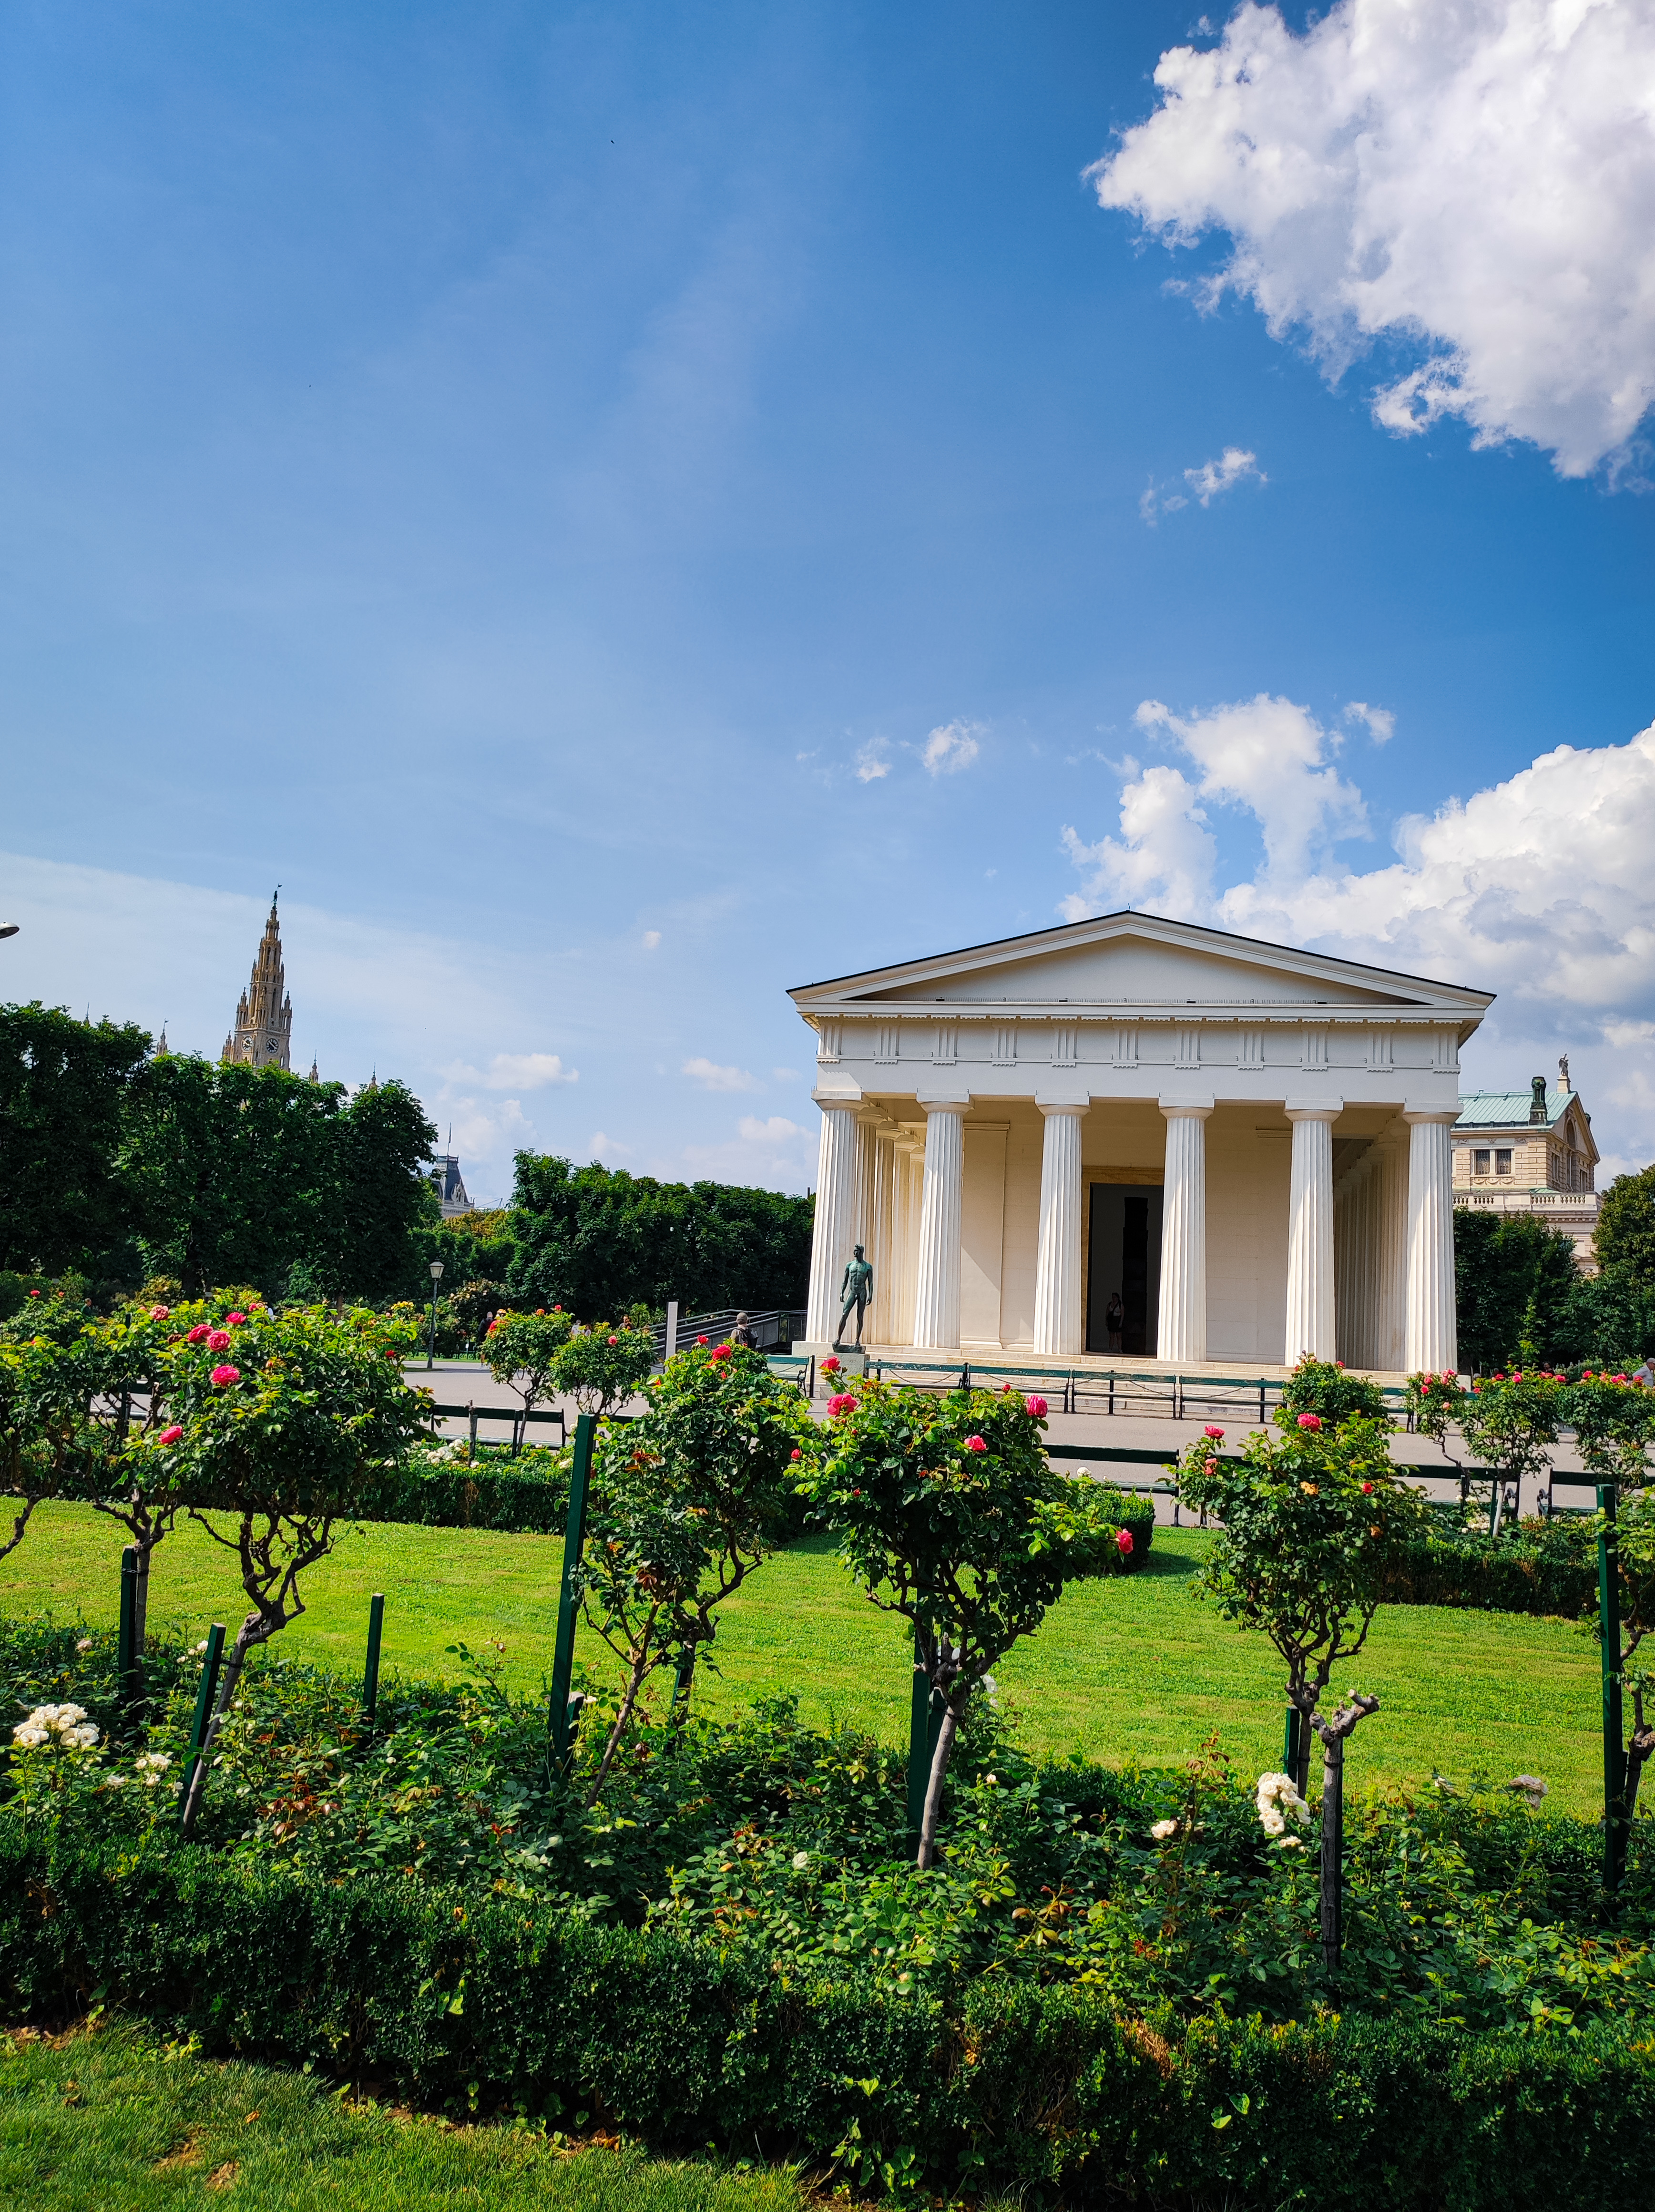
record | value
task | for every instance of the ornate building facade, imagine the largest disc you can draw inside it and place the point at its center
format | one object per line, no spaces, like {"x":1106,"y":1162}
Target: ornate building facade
{"x":263,"y":1034}
{"x":1530,"y":1152}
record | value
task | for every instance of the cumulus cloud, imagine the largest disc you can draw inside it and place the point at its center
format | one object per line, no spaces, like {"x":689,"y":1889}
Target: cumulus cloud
{"x":712,"y":1077}
{"x":772,"y":1152}
{"x":515,"y":1071}
{"x":872,"y":760}
{"x":1539,"y":888}
{"x":1381,"y":722}
{"x":1473,"y":182}
{"x":1234,"y":466}
{"x":952,"y":747}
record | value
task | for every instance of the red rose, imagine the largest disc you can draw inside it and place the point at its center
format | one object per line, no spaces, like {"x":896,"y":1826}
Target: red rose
{"x":1036,"y":1407}
{"x":232,"y":1320}
{"x":169,"y":1435}
{"x":1310,"y":1420}
{"x":198,"y":1335}
{"x":1123,"y":1543}
{"x":1367,"y":1490}
{"x":975,"y":1443}
{"x":1217,"y":1435}
{"x":828,"y":1366}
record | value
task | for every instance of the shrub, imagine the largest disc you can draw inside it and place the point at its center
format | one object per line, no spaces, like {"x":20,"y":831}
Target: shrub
{"x":604,"y":1366}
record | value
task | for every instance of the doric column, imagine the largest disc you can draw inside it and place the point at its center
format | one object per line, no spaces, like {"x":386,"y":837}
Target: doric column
{"x":1433,"y":1333}
{"x":936,"y":1291}
{"x":1181,"y":1322}
{"x":1058,"y":1272}
{"x":882,"y":1248}
{"x":1390,"y":1259}
{"x":835,"y":1228}
{"x":1310,"y":1318}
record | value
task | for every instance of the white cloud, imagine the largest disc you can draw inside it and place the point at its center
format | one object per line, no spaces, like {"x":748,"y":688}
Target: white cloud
{"x":1234,"y":466}
{"x":872,"y":760}
{"x":1380,"y":721}
{"x":651,"y":938}
{"x":774,"y":1153}
{"x":516,"y":1071}
{"x":712,"y":1077}
{"x":1539,"y":888}
{"x":1474,"y":180}
{"x":952,"y":747}
{"x":607,"y":1148}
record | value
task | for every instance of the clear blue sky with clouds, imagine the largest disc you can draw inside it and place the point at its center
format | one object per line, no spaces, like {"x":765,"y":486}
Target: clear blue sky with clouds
{"x":622,"y":509}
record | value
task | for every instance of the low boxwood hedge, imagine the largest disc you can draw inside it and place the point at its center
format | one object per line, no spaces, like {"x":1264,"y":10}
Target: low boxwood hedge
{"x":491,"y":2005}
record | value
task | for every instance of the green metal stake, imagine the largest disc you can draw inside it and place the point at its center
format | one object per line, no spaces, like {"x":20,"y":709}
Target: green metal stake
{"x":573,"y":1537}
{"x":1608,"y":1628}
{"x":126,"y":1670}
{"x":376,"y":1621}
{"x":205,"y":1697}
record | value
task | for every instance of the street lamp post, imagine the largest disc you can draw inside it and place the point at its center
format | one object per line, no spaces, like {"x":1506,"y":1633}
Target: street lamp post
{"x":431,"y":1341}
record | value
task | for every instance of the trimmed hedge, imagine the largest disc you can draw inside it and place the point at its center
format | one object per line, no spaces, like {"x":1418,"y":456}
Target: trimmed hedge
{"x":1502,"y":1574}
{"x":480,"y":2006}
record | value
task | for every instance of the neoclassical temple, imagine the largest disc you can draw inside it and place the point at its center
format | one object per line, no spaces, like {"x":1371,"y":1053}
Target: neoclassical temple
{"x":1233,"y":1151}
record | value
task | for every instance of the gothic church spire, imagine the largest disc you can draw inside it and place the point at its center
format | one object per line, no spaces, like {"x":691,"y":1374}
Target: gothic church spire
{"x":263,"y":1018}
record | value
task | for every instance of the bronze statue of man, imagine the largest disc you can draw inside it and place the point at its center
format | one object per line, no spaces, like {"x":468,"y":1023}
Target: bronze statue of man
{"x":856,"y":1290}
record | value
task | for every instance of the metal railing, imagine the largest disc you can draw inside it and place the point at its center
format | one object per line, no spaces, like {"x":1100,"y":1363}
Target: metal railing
{"x":773,"y":1327}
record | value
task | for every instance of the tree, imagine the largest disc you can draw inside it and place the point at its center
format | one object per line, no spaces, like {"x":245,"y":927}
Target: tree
{"x":597,"y":1240}
{"x":1510,"y":1423}
{"x":231,"y":1169}
{"x":687,"y":1501}
{"x":521,"y":1349}
{"x":1613,"y":1426}
{"x":1310,"y":1524}
{"x":283,"y":1429}
{"x":603,"y":1367}
{"x":372,"y":1216}
{"x":1626,"y":1226}
{"x":1514,"y":1276}
{"x":947,"y":1513}
{"x":63,"y":1085}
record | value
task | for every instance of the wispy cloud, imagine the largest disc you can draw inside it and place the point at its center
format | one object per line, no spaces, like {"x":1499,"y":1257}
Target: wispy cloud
{"x":952,"y":747}
{"x":872,"y":760}
{"x":1234,"y":466}
{"x":1380,"y":721}
{"x":712,"y":1077}
{"x":515,"y":1071}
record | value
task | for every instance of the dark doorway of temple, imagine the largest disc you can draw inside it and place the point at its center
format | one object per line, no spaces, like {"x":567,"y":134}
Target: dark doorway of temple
{"x":1124,"y":1242}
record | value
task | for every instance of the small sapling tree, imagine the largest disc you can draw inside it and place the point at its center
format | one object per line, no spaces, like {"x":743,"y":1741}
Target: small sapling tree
{"x":1433,"y":1404}
{"x":521,"y":1349}
{"x":281,"y":1428}
{"x":1327,"y":1388}
{"x":1510,"y":1423}
{"x":604,"y":1366}
{"x":1310,"y":1524}
{"x":686,"y":1501}
{"x":948,"y":1512}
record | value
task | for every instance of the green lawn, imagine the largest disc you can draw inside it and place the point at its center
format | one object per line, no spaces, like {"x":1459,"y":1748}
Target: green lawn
{"x":111,"y":2123}
{"x":1125,"y":1669}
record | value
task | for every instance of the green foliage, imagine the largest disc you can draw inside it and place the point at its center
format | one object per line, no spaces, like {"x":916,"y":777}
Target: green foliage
{"x":63,"y":1086}
{"x":597,"y":1240}
{"x":603,"y":1367}
{"x":1514,"y":1276}
{"x":1536,"y":1566}
{"x":1322,"y":1387}
{"x":521,"y":1349}
{"x":1626,"y":1226}
{"x":1311,"y":1525}
{"x":1614,"y":1427}
{"x":1511,"y":1423}
{"x":377,"y":1196}
{"x":1611,"y":1319}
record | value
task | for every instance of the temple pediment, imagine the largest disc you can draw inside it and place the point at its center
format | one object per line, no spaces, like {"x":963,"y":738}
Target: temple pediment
{"x":1129,"y":963}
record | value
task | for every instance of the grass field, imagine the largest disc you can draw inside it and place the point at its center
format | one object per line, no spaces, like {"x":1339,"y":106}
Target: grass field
{"x":110,"y":2123}
{"x":1126,"y":1669}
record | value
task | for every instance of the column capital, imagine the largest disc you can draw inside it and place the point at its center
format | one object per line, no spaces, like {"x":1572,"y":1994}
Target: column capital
{"x":1415,"y":1114}
{"x":1186,"y":1110}
{"x":960,"y":1103}
{"x":1313,"y":1109}
{"x":829,"y":1099}
{"x":1077,"y":1107}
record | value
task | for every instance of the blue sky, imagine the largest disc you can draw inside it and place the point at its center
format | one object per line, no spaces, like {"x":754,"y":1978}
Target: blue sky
{"x":537,"y":481}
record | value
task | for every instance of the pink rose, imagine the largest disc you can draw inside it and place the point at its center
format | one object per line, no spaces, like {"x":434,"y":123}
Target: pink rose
{"x":218,"y":1340}
{"x":614,"y":1339}
{"x":1036,"y":1408}
{"x":975,"y":1443}
{"x":199,"y":1334}
{"x":828,"y":1366}
{"x":1310,"y":1420}
{"x":222,"y":1376}
{"x":158,"y":1313}
{"x":231,"y":1320}
{"x":797,"y":1456}
{"x":1217,"y":1435}
{"x":1123,"y":1543}
{"x":169,"y":1435}
{"x":843,"y":1402}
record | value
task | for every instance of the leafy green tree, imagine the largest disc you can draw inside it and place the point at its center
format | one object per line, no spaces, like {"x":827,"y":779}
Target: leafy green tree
{"x":687,"y":1501}
{"x":521,"y":1349}
{"x":603,"y":1367}
{"x":595,"y":1240}
{"x":375,"y":1199}
{"x":1310,"y":1524}
{"x":63,"y":1085}
{"x":1626,"y":1226}
{"x":281,"y":1428}
{"x":1323,"y":1387}
{"x":1610,"y":1319}
{"x":1511,"y":1423}
{"x":474,"y":1248}
{"x":1514,"y":1276}
{"x":231,"y":1168}
{"x":949,"y":1513}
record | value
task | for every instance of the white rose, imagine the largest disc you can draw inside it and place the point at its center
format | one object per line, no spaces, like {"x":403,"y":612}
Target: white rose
{"x":1163,"y":1831}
